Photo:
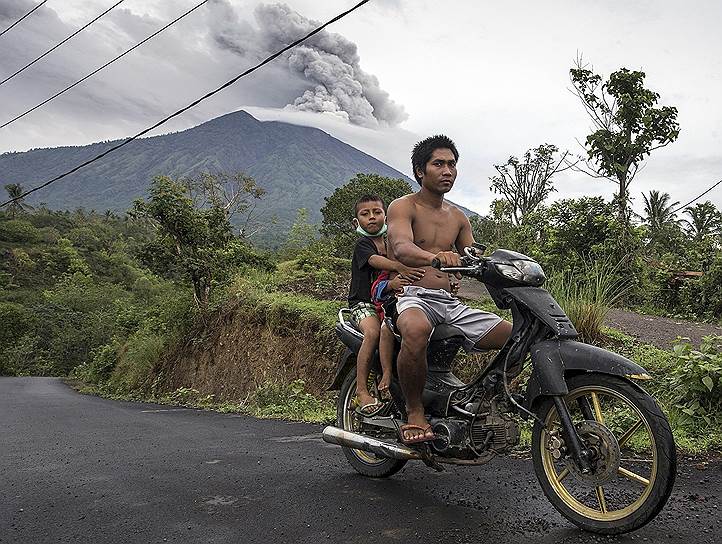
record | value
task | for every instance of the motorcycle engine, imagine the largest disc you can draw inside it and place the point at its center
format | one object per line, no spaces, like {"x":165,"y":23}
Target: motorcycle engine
{"x":494,"y":431}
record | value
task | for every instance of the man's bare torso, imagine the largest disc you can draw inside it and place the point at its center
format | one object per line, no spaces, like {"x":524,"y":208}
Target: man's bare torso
{"x":434,"y":230}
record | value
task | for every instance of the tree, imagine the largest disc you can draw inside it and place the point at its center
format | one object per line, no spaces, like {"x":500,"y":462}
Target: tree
{"x":661,"y":219}
{"x":526,"y":183}
{"x":658,"y":211}
{"x":236,"y":194}
{"x":301,"y":234}
{"x":18,"y":205}
{"x":339,"y":208}
{"x":627,"y":127}
{"x":705,"y":220}
{"x":197,"y":237}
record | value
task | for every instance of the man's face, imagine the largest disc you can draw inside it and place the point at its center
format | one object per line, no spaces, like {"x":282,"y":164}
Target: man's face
{"x":371,"y":216}
{"x":440,"y":172}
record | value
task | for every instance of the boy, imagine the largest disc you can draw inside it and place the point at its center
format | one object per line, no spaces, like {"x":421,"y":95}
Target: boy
{"x":369,"y":258}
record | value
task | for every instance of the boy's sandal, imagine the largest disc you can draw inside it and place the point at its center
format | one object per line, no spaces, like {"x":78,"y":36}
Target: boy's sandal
{"x":384,"y":393}
{"x":370,"y":409}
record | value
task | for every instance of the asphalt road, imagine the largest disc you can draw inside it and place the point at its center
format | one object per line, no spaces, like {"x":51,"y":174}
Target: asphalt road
{"x":77,"y":468}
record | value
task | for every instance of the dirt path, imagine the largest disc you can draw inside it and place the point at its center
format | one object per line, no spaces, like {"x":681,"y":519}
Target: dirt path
{"x":659,"y":331}
{"x":655,"y":330}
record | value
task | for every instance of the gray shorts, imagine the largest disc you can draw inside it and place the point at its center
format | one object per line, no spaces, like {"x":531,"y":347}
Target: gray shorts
{"x":440,"y":306}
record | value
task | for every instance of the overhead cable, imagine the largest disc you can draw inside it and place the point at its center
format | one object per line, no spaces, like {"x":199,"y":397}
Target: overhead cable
{"x":696,"y":198}
{"x":189,"y":106}
{"x":23,"y":17}
{"x":28,"y":65}
{"x":6,"y":123}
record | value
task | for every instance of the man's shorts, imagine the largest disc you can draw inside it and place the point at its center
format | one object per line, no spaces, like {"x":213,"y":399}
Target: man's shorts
{"x":362,"y":310}
{"x":440,"y":306}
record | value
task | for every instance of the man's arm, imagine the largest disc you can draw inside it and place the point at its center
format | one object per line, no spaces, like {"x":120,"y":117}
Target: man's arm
{"x":401,"y":235}
{"x":465,"y":237}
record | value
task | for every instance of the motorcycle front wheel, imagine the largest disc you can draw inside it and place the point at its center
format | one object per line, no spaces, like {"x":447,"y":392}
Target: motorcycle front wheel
{"x":634,"y":464}
{"x":363,"y":462}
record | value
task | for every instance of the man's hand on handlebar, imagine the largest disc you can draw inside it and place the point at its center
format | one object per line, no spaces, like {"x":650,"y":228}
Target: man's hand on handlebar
{"x":445,"y":259}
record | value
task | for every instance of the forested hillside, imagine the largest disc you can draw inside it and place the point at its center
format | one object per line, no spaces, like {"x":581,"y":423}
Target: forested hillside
{"x":297,"y":166}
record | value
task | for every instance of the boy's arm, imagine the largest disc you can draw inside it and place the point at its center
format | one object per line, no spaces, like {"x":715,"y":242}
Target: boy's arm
{"x":380,"y":262}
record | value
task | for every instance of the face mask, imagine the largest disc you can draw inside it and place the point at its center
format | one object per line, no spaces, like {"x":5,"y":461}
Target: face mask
{"x":362,"y":232}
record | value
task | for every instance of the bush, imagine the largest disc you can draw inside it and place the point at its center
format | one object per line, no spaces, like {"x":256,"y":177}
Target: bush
{"x":587,"y":296}
{"x":291,"y":401}
{"x":136,"y":360}
{"x":27,"y":357}
{"x":17,"y":230}
{"x":100,"y":367}
{"x":696,"y":379}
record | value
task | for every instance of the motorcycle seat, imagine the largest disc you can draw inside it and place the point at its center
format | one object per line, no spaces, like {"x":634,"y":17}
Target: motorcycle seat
{"x":444,"y":331}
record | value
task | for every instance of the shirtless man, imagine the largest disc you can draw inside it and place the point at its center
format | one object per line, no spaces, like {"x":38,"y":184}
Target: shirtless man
{"x":421,"y":227}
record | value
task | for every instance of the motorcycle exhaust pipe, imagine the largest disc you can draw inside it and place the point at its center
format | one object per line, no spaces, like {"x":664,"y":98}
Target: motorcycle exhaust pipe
{"x":334,"y":435}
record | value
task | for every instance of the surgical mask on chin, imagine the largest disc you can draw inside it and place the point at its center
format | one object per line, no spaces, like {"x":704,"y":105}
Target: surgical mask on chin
{"x":362,"y":232}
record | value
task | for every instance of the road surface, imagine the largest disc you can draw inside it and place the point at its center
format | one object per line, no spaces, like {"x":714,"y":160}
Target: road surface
{"x":76,"y":468}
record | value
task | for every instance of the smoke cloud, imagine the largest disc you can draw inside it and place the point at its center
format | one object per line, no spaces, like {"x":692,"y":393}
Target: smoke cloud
{"x":328,"y":63}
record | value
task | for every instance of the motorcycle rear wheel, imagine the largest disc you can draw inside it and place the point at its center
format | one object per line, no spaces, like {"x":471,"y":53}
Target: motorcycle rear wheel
{"x":363,"y":462}
{"x":636,"y":462}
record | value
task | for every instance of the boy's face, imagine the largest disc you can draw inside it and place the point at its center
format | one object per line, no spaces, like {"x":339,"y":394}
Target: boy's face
{"x":370,"y":216}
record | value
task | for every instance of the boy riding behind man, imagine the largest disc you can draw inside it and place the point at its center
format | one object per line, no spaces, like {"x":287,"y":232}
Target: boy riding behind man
{"x":369,"y":259}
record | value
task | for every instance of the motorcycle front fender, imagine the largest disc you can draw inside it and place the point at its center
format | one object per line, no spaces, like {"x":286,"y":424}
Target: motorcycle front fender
{"x":555,"y":360}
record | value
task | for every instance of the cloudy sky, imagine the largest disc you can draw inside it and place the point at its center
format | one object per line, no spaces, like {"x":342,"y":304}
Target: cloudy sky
{"x":492,"y":75}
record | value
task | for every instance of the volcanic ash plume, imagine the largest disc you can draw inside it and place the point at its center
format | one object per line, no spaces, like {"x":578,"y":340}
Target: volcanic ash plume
{"x":328,"y":62}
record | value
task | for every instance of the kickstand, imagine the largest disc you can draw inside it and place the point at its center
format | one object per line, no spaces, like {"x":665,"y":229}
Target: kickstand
{"x":429,"y":462}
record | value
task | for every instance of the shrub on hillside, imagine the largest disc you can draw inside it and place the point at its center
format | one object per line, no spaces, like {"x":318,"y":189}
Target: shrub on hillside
{"x":696,"y":379}
{"x":316,"y":272}
{"x":18,"y":231}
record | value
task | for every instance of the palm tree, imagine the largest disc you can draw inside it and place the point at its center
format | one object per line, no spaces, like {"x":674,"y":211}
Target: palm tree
{"x":705,"y":220}
{"x":658,"y":210}
{"x":17,"y":204}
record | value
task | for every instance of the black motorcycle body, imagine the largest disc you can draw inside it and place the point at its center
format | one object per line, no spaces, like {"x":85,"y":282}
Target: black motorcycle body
{"x":475,"y":421}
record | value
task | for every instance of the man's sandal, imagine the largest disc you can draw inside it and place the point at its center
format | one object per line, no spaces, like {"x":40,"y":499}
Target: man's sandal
{"x":418,"y":440}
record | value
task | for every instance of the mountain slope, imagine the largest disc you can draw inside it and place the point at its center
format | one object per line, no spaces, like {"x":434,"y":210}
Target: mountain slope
{"x":298,"y":166}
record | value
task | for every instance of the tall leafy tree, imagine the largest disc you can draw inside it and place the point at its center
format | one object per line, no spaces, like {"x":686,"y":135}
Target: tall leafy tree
{"x":18,"y":205}
{"x":339,"y":208}
{"x":705,"y":220}
{"x":198,"y":239}
{"x":627,"y":126}
{"x":526,"y":183}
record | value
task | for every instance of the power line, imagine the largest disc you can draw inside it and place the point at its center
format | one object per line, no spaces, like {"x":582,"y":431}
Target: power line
{"x":696,"y":198}
{"x":28,"y":65}
{"x":23,"y":17}
{"x":192,"y":104}
{"x":103,"y":66}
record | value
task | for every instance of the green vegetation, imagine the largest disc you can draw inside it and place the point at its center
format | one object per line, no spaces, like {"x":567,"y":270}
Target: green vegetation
{"x":159,"y":304}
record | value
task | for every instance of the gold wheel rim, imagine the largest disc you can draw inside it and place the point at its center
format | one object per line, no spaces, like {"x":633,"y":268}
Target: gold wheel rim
{"x":556,"y":478}
{"x":348,"y":423}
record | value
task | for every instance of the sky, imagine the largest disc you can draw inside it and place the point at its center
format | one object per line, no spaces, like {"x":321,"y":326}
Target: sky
{"x":494,"y":76}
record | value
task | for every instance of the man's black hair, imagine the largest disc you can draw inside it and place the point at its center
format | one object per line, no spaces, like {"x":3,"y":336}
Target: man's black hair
{"x":425,"y":148}
{"x":368,"y":198}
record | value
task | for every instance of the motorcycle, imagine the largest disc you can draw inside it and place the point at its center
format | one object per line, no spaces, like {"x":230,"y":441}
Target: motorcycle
{"x":602,"y":448}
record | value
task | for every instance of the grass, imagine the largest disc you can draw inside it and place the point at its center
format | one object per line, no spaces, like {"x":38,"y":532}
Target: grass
{"x":271,"y":400}
{"x":587,"y":298}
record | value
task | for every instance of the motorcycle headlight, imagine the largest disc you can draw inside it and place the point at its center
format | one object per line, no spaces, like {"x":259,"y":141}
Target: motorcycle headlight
{"x":532,"y":272}
{"x":510,"y":271}
{"x":528,"y":272}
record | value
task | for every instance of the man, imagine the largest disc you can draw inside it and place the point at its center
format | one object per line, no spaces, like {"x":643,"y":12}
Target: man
{"x":421,"y":227}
